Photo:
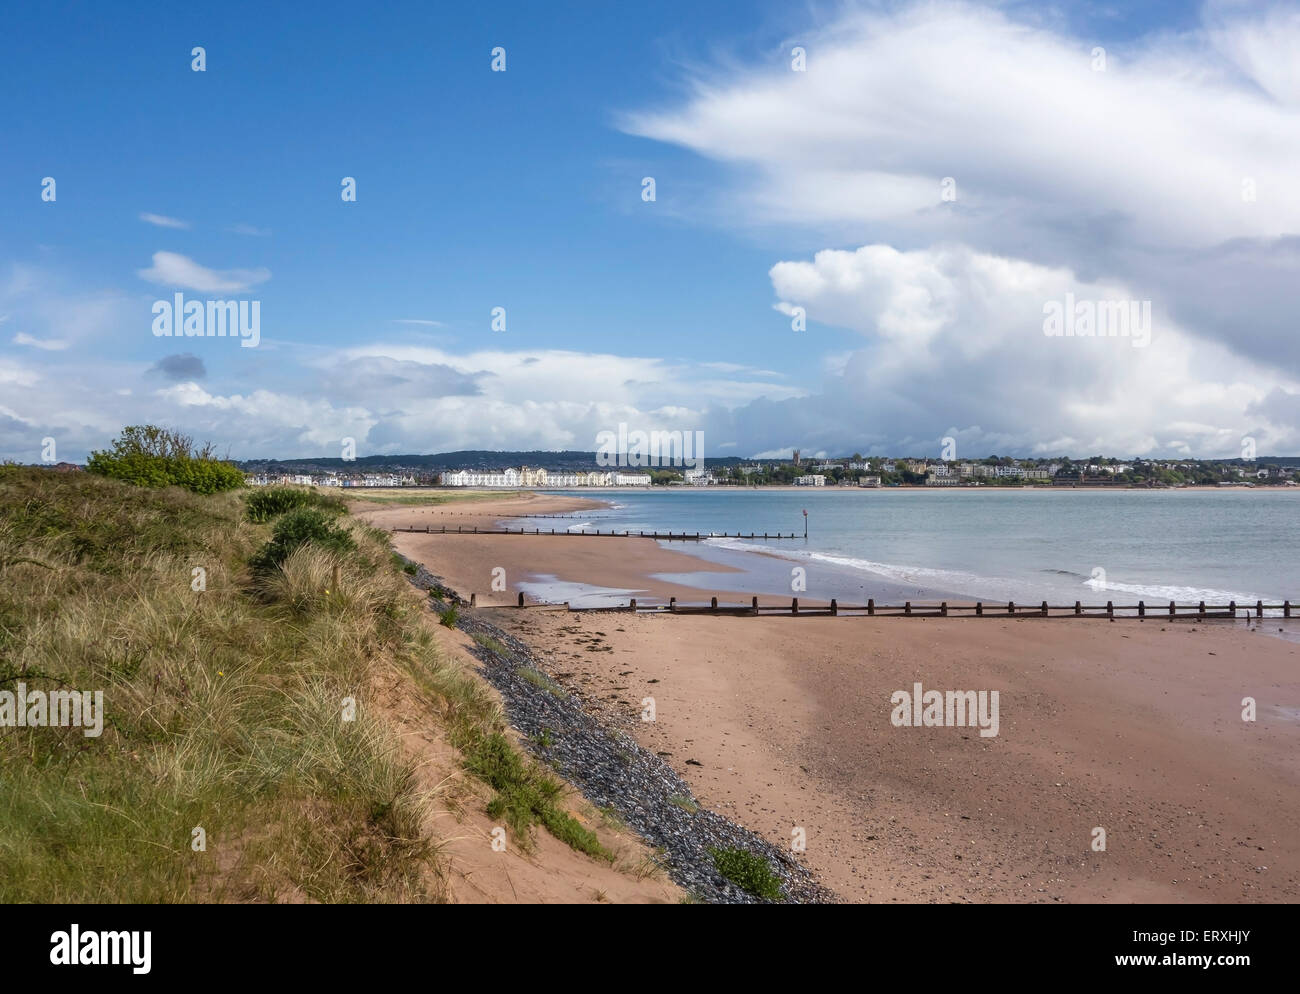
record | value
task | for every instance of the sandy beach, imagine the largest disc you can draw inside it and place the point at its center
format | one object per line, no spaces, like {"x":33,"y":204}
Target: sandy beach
{"x":1134,"y":728}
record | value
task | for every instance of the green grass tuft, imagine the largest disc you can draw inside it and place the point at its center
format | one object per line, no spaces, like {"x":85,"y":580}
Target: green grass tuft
{"x":748,"y":871}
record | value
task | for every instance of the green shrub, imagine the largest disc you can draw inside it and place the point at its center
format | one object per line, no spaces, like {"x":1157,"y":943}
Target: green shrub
{"x":750,"y":872}
{"x":526,"y":794}
{"x":449,"y":617}
{"x":267,"y":503}
{"x":295,"y":528}
{"x":149,"y":456}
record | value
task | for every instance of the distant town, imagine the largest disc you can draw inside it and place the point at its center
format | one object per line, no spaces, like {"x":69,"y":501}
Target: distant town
{"x":851,"y":471}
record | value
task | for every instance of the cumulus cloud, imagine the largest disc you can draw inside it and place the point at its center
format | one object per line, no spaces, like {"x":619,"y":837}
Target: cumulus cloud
{"x":175,"y":270}
{"x":954,"y":345}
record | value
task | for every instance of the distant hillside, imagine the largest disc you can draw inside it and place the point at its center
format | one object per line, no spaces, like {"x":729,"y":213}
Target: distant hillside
{"x":569,"y":459}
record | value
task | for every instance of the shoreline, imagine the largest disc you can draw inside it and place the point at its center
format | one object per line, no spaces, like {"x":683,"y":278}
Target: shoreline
{"x":610,"y":570}
{"x":777,"y":726}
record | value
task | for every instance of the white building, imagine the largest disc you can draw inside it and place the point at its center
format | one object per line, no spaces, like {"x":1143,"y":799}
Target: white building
{"x":811,"y":480}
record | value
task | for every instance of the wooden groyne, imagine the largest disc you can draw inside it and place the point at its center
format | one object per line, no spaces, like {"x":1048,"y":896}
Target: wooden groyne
{"x":664,"y":536}
{"x":979,"y":609}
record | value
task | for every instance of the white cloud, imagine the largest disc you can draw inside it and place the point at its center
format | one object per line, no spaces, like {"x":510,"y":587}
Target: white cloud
{"x":893,"y":102}
{"x":250,"y":230}
{"x":162,"y":221}
{"x":954,"y":340}
{"x":174,"y":270}
{"x":48,"y":344}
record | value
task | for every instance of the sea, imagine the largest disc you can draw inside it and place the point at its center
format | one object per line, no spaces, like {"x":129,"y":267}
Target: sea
{"x":996,"y":545}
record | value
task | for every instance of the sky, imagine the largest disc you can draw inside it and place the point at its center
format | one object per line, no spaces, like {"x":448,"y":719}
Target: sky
{"x":863,"y":215}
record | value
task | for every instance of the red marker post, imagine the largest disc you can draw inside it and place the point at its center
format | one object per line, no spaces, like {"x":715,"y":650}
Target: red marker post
{"x":805,"y":522}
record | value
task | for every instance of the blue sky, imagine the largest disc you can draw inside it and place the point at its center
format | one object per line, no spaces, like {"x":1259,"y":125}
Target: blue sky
{"x":774,"y":190}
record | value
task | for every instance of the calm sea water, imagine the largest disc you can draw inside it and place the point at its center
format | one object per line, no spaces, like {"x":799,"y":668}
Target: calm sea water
{"x":1027,"y":546}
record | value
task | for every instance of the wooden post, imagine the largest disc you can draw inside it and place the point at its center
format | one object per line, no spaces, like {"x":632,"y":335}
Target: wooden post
{"x":521,"y":598}
{"x":1259,"y":609}
{"x":979,"y":609}
{"x":907,"y":607}
{"x":943,"y":609}
{"x":633,"y":605}
{"x":794,"y":605}
{"x":755,"y":605}
{"x":1173,"y":608}
{"x":871,"y":606}
{"x":1142,"y":609}
{"x":1201,"y":610}
{"x":672,"y":605}
{"x":1011,"y":607}
{"x":835,"y":609}
{"x":713,"y":603}
{"x":1232,"y":606}
{"x":473,"y":600}
{"x":1286,"y":609}
{"x":1078,"y":608}
{"x":1110,"y":609}
{"x":1044,"y":609}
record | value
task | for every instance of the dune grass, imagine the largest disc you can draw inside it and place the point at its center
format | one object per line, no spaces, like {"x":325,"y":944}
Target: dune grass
{"x":236,"y":702}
